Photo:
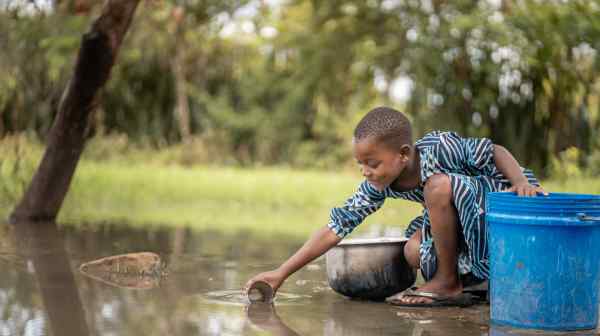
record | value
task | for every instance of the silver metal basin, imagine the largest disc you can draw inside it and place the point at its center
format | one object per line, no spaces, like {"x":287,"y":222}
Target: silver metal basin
{"x":372,"y":268}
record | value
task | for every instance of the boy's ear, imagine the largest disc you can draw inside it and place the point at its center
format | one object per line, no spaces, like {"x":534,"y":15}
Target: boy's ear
{"x":405,"y":150}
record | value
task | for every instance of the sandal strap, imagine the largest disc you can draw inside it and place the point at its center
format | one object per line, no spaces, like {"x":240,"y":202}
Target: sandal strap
{"x":429,"y":295}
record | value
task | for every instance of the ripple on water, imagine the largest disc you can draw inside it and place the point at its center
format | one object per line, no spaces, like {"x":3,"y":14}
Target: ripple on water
{"x":239,"y":298}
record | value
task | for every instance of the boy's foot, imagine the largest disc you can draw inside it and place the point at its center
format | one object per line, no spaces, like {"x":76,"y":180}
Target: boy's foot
{"x":433,"y":299}
{"x":427,"y":294}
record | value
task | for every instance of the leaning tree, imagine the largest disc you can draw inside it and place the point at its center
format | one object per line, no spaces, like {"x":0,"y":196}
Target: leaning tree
{"x":97,"y":54}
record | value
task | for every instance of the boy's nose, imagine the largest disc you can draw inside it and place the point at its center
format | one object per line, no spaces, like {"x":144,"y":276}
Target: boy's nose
{"x":366,"y":172}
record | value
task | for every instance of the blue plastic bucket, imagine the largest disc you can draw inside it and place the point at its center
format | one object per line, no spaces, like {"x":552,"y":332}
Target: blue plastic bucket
{"x":544,"y":260}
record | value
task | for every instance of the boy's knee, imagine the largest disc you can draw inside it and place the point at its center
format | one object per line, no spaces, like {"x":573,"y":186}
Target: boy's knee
{"x":411,"y":250}
{"x":438,"y":191}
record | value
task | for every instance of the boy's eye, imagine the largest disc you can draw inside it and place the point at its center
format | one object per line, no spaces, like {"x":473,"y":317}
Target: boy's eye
{"x":373,"y":164}
{"x":370,"y":163}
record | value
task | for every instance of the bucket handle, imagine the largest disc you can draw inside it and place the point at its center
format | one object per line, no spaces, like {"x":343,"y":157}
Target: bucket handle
{"x":583,"y":217}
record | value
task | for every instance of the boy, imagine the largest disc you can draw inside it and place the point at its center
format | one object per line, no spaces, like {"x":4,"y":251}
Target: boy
{"x":449,"y":175}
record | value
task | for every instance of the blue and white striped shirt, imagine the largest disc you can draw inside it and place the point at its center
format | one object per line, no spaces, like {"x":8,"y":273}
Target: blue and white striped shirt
{"x":440,"y":152}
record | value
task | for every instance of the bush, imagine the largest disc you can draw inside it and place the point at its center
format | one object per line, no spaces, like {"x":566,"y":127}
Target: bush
{"x":593,"y":164}
{"x":566,"y":165}
{"x":18,"y":160}
{"x":572,"y":164}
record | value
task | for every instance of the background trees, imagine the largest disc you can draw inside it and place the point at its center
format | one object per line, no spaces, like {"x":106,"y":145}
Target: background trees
{"x":272,"y":82}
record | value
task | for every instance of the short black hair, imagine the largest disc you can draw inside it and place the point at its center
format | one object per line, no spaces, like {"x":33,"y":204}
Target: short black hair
{"x":385,"y":125}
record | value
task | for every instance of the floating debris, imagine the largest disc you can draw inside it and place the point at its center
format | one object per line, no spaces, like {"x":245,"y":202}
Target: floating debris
{"x":142,"y":270}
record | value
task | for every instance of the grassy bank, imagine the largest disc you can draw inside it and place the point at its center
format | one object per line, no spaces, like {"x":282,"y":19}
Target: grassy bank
{"x":266,"y":199}
{"x":270,"y":200}
{"x":273,"y":200}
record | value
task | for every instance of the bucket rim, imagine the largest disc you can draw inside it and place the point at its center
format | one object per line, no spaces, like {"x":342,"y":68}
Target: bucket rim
{"x":577,"y":207}
{"x":552,"y":196}
{"x":517,"y":219}
{"x":372,"y":241}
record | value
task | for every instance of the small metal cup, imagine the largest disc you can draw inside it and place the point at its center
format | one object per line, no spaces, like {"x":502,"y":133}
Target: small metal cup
{"x":261,"y":291}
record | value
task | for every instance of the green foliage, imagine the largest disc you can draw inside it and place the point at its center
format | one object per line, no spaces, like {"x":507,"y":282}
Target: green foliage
{"x":567,"y":165}
{"x":18,"y":160}
{"x":573,"y":164}
{"x":267,"y":199}
{"x":524,"y":73}
{"x":143,"y":186}
{"x":593,"y":164}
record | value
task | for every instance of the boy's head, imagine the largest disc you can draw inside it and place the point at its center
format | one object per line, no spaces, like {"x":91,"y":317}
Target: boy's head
{"x":382,"y":145}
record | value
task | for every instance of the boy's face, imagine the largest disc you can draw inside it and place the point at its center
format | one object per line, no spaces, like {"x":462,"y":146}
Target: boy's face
{"x":379,"y":164}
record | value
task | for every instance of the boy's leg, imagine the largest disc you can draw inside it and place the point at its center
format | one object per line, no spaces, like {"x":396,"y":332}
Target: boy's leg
{"x":444,"y":230}
{"x":411,"y":250}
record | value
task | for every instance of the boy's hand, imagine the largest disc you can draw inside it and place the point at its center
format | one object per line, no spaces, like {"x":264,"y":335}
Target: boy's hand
{"x":273,"y":278}
{"x":526,"y":189}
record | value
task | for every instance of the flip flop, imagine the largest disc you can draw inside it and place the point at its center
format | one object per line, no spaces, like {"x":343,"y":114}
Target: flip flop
{"x":438,"y":300}
{"x":480,"y":292}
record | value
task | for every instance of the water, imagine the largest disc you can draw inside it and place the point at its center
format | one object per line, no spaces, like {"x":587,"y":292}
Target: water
{"x":42,"y":291}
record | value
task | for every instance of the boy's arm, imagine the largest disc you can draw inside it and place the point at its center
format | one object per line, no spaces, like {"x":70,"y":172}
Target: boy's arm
{"x":320,"y":242}
{"x":509,"y":167}
{"x":342,"y":221}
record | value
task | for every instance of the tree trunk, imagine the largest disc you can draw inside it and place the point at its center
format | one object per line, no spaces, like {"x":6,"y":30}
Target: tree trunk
{"x":182,"y":108}
{"x":1,"y":123}
{"x":99,"y":48}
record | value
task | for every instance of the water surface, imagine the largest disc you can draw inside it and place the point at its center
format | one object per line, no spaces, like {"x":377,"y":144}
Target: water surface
{"x":42,"y":291}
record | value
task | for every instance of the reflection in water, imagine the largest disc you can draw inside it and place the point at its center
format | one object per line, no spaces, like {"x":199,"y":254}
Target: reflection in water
{"x":42,"y":292}
{"x":43,"y":245}
{"x":350,"y":317}
{"x":263,"y":315}
{"x":141,"y":270}
{"x":239,"y":298}
{"x":505,"y":331}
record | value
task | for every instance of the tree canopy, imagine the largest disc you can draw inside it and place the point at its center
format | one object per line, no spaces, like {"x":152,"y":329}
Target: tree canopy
{"x":272,"y":82}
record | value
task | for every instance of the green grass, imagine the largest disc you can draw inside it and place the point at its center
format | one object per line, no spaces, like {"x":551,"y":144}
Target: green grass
{"x":262,"y":200}
{"x":265,"y":200}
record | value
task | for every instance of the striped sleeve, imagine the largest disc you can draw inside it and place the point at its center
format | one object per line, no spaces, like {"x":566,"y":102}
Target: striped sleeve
{"x":475,"y":155}
{"x":416,"y":224}
{"x":365,"y":201}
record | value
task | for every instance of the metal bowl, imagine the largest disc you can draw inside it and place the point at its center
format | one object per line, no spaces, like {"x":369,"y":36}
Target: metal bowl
{"x":372,"y":268}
